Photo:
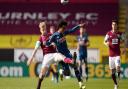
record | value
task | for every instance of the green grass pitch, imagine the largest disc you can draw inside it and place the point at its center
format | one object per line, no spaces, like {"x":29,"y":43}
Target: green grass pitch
{"x":30,"y":83}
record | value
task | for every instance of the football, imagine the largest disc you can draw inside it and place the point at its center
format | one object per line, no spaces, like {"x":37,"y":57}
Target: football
{"x":64,"y":1}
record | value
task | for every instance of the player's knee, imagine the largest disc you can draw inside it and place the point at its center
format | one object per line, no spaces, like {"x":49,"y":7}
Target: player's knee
{"x":61,"y":71}
{"x":41,"y":75}
{"x":43,"y":72}
{"x":118,"y":69}
{"x":67,"y":72}
{"x":113,"y":71}
{"x":74,"y":66}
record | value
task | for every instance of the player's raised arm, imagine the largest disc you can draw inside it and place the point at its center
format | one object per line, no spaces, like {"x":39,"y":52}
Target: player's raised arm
{"x":34,"y":52}
{"x":74,"y":29}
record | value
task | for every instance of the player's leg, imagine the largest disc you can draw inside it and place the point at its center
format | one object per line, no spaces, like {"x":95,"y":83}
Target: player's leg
{"x":41,"y":76}
{"x":114,"y":78}
{"x":80,"y":63}
{"x":64,"y":62}
{"x":55,"y":72}
{"x":60,"y":57}
{"x":78,"y":76}
{"x":80,"y":66}
{"x":60,"y":68}
{"x":47,"y":61}
{"x":85,"y":62}
{"x":86,"y":68}
{"x":113,"y":70}
{"x":65,"y":70}
{"x":53,"y":75}
{"x":117,"y":63}
{"x":77,"y":73}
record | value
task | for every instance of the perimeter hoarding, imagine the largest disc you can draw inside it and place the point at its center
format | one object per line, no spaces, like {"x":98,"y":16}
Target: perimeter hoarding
{"x":95,"y":70}
{"x":22,"y":55}
{"x":11,"y":69}
{"x":17,"y":18}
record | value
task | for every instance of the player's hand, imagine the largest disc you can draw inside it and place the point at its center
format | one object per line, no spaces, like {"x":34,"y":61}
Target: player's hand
{"x":82,"y":24}
{"x":29,"y":61}
{"x":87,"y":44}
{"x":107,"y":43}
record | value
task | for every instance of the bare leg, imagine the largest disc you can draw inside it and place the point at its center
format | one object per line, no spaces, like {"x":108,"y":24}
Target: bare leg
{"x":41,"y":76}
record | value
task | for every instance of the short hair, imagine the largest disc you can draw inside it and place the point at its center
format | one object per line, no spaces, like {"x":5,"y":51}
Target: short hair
{"x":42,"y":23}
{"x":114,"y":20}
{"x":62,"y":23}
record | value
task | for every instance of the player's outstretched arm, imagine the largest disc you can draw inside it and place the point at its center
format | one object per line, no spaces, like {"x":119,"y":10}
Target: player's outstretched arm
{"x":31,"y":58}
{"x":82,"y":24}
{"x":34,"y":52}
{"x":74,"y":29}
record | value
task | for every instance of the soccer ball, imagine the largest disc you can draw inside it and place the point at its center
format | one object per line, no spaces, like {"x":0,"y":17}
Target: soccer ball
{"x":64,"y":1}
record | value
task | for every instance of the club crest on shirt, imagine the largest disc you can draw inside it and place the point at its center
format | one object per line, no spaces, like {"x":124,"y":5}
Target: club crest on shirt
{"x":114,"y":41}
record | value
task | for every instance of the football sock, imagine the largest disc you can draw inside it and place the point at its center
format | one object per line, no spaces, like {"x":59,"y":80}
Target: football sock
{"x":118,"y":74}
{"x":57,"y":77}
{"x":39,"y":83}
{"x":80,"y":70}
{"x":77,"y":73}
{"x":114,"y":78}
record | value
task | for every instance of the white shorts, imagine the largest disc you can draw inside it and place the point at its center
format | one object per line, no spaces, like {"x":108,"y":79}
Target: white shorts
{"x":51,"y":58}
{"x":114,"y":62}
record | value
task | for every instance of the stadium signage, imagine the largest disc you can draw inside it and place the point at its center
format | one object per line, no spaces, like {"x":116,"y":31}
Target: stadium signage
{"x":49,"y":16}
{"x":102,"y":71}
{"x":96,"y":70}
{"x":10,"y":69}
{"x":28,"y":18}
{"x":24,"y":18}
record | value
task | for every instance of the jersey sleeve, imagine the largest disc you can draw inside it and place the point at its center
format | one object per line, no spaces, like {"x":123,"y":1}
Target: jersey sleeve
{"x":106,"y":37}
{"x":50,"y":40}
{"x":40,"y":39}
{"x":38,"y":43}
{"x":72,"y":30}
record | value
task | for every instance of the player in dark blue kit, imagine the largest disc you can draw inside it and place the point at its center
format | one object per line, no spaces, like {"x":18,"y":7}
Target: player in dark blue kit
{"x":83,"y":43}
{"x":59,"y":39}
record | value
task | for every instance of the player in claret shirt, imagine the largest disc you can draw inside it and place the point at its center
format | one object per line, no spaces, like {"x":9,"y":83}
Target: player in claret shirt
{"x":113,"y":39}
{"x":49,"y":54}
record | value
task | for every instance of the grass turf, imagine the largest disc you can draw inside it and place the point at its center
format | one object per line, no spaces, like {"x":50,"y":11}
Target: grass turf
{"x":30,"y":83}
